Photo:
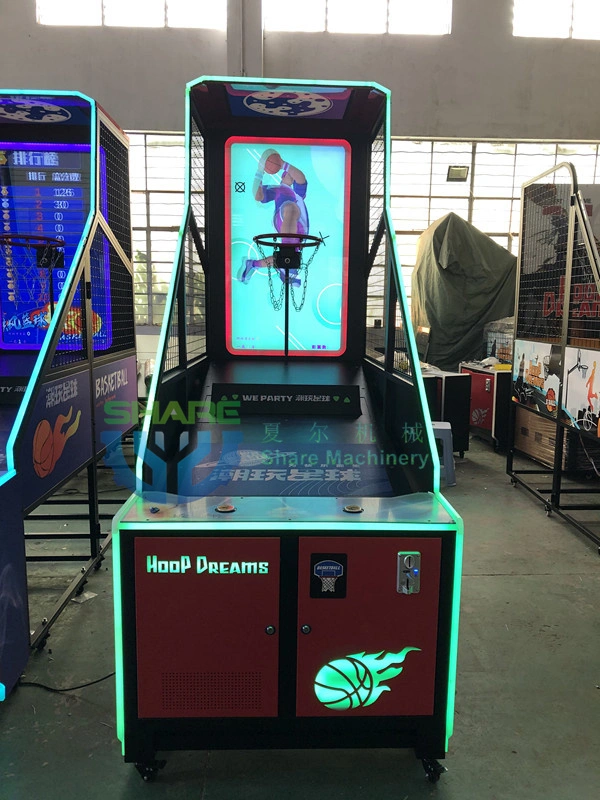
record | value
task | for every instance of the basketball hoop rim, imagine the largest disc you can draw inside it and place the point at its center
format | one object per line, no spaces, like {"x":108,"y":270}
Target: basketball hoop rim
{"x":273,"y":240}
{"x":30,"y":240}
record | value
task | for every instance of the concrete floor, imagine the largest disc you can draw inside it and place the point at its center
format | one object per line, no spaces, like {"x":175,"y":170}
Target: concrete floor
{"x":527,"y":721}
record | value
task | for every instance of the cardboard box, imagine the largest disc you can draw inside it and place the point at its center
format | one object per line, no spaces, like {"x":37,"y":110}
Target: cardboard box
{"x":535,"y":436}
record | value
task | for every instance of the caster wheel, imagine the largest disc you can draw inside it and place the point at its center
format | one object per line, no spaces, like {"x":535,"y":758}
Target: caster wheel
{"x":149,"y":770}
{"x":433,"y":769}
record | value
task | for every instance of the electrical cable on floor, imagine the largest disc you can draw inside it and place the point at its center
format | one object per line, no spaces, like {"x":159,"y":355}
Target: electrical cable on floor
{"x":589,"y":458}
{"x":68,"y":689}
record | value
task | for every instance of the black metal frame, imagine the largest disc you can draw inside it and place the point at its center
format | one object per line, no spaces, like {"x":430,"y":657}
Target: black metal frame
{"x":552,"y":496}
{"x":97,"y":544}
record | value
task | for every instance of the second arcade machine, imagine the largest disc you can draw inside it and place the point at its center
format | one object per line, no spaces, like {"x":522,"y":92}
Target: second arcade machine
{"x":67,"y":344}
{"x":287,"y":574}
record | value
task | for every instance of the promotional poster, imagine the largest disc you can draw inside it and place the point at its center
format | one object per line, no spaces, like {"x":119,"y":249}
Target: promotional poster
{"x":580,"y":403}
{"x":115,"y":386}
{"x":281,"y":186}
{"x":536,"y":376}
{"x":58,"y":439}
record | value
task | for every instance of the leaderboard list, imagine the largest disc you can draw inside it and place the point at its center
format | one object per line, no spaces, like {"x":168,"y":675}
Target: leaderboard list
{"x":44,"y":192}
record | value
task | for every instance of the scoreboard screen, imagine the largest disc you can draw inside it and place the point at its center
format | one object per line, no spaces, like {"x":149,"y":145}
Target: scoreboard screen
{"x":45,"y":191}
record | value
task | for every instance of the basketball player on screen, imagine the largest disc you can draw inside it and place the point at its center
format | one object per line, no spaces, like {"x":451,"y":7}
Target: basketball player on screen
{"x":290,"y":216}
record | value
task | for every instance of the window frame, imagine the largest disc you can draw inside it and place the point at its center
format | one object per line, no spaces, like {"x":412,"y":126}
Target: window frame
{"x":46,"y":5}
{"x":513,"y":156}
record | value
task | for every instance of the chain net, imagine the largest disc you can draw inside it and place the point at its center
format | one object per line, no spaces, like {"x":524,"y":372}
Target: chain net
{"x":301,"y":274}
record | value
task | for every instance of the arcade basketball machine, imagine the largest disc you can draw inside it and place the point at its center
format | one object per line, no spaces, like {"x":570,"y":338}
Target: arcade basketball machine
{"x":67,"y":334}
{"x":287,"y":574}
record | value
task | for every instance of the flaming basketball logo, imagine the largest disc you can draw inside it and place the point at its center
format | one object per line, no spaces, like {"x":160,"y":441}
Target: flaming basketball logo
{"x":354,"y":681}
{"x":73,"y":326}
{"x":49,"y":442}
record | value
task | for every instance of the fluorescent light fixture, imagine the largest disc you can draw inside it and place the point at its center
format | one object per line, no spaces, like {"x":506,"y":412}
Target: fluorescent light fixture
{"x":457,"y":174}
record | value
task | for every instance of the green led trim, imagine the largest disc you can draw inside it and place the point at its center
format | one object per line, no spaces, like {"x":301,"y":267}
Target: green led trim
{"x":454,"y":617}
{"x":354,"y":681}
{"x":432,"y":529}
{"x":60,"y":305}
{"x":284,"y":81}
{"x":118,"y":610}
{"x":165,"y":328}
{"x":47,"y":93}
{"x":408,"y":328}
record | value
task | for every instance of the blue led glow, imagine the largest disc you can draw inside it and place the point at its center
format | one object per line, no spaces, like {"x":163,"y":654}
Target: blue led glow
{"x":59,"y":308}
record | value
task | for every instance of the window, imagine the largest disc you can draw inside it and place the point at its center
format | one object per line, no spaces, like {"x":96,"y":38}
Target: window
{"x":157,"y":175}
{"x":134,"y":13}
{"x":420,"y":194}
{"x":429,"y":17}
{"x":69,"y":12}
{"x":490,"y":199}
{"x":559,"y":19}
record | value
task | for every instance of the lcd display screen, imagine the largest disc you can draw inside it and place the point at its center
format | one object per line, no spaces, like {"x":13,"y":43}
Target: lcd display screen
{"x":279,"y":186}
{"x":45,"y":191}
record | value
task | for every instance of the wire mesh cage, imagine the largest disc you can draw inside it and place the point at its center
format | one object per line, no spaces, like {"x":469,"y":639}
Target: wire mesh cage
{"x":72,"y":344}
{"x":195,"y":301}
{"x":402,"y":358}
{"x":114,"y":186}
{"x":112,"y":299}
{"x":498,"y":339}
{"x":376,"y":199}
{"x":172,"y":360}
{"x":583,"y":328}
{"x":375,"y":327}
{"x":197,"y":178}
{"x":546,"y":211}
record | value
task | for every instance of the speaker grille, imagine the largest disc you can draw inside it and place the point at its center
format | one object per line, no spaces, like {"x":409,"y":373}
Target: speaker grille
{"x":212,"y":691}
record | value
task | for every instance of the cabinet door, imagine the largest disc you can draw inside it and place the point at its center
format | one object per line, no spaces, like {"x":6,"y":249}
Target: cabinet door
{"x":203,"y":609}
{"x":482,"y":400}
{"x":365,"y":648}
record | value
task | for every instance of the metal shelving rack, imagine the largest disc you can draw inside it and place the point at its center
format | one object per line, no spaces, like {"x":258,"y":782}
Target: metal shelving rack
{"x":556,"y":407}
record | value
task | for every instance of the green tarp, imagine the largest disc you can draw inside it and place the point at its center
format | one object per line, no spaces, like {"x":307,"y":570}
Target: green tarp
{"x":462,"y":280}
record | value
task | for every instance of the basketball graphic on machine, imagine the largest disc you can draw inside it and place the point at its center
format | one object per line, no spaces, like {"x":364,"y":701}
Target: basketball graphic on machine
{"x":354,"y":681}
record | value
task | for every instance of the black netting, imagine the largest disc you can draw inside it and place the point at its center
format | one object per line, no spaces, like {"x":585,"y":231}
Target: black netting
{"x":584,"y":312}
{"x":197,"y":177}
{"x":114,"y":186}
{"x":546,"y":210}
{"x":402,"y":359}
{"x":112,"y":299}
{"x":376,"y":199}
{"x":72,"y":345}
{"x":195,"y":302}
{"x":375,"y":322}
{"x":172,"y":352}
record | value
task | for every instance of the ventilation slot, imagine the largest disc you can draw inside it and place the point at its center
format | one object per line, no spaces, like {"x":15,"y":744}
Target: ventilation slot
{"x":212,"y":691}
